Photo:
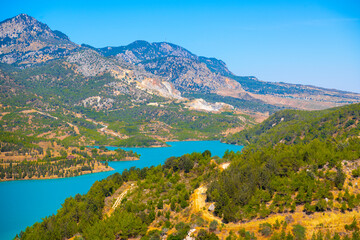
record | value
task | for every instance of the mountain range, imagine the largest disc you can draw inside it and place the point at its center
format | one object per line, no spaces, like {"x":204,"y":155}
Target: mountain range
{"x":160,"y":68}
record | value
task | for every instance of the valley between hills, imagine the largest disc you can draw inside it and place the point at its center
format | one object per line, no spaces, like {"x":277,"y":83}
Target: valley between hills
{"x":296,"y":178}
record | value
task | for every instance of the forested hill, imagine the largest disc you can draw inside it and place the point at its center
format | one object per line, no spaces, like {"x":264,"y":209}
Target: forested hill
{"x":298,"y":164}
{"x":294,"y":126}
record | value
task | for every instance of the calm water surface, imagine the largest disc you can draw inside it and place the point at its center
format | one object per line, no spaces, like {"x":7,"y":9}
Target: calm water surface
{"x":23,"y":203}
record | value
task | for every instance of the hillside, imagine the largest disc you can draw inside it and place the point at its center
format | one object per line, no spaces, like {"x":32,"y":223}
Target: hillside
{"x":298,"y":164}
{"x":281,"y":191}
{"x":37,"y":152}
{"x":295,"y":126}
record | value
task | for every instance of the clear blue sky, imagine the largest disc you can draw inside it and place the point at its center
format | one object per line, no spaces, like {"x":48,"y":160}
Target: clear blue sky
{"x":308,"y":42}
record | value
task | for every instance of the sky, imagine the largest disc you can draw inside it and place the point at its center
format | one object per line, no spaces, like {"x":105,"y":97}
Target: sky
{"x":306,"y":42}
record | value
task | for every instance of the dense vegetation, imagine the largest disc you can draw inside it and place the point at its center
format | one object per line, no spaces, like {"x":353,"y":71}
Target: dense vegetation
{"x":158,"y":205}
{"x":45,"y":168}
{"x":19,"y":143}
{"x":26,"y":157}
{"x":293,"y":160}
{"x":278,"y":179}
{"x":118,"y":155}
{"x":295,"y":126}
{"x":161,"y":194}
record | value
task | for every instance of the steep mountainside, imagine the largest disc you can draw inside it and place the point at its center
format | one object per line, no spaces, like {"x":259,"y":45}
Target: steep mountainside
{"x":177,"y":65}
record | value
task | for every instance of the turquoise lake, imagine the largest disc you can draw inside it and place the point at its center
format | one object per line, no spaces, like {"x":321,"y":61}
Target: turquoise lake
{"x":28,"y":201}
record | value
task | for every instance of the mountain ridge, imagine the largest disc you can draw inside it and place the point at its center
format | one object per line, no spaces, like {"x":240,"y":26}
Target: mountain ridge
{"x":160,"y":68}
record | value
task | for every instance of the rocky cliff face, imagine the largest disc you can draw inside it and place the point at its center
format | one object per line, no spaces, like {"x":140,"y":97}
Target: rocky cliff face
{"x":216,"y":65}
{"x":24,"y":40}
{"x":177,"y":65}
{"x":90,"y":63}
{"x":189,"y":74}
{"x":129,"y":80}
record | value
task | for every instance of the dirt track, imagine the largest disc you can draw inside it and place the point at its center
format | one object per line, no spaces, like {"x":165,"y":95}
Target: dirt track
{"x":333,"y":221}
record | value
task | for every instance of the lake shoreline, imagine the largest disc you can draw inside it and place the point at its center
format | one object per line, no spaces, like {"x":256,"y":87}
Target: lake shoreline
{"x":126,"y":159}
{"x":166,"y":144}
{"x":108,"y":169}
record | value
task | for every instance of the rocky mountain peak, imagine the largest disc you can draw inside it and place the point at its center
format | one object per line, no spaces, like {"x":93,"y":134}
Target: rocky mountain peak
{"x":25,"y":26}
{"x":141,"y":50}
{"x":139,"y":44}
{"x":216,"y":65}
{"x":169,"y":49}
{"x":22,"y":37}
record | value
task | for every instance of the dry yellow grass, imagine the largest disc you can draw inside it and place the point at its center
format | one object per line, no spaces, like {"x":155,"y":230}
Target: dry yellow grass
{"x":76,"y":129}
{"x":333,"y":221}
